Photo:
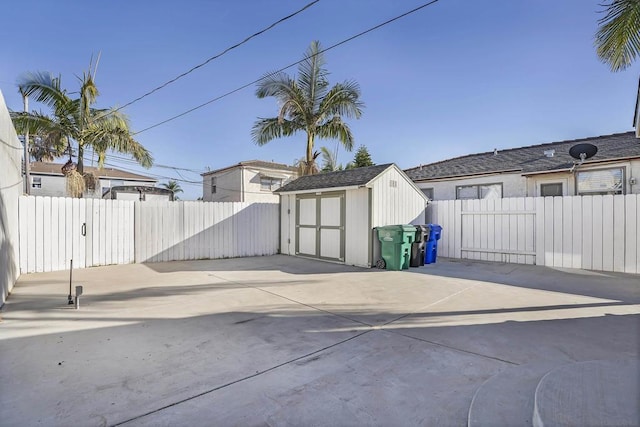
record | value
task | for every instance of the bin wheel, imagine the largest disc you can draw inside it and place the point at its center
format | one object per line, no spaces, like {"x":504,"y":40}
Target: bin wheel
{"x":381,"y":264}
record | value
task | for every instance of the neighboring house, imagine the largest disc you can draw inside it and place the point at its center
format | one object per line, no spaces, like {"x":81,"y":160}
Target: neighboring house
{"x":537,"y":170}
{"x":138,"y":192}
{"x":249,"y":181}
{"x":47,"y":180}
{"x":331,"y":216}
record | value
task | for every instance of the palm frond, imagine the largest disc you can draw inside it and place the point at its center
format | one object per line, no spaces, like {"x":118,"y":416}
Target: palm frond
{"x":312,"y":76}
{"x":618,"y":38}
{"x":265,"y":130}
{"x":336,"y":129}
{"x":343,"y":100}
{"x":43,"y":86}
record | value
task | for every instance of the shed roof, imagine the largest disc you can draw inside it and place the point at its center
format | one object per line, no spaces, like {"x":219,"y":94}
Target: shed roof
{"x":529,"y":159}
{"x":338,"y":179}
{"x":46,"y":168}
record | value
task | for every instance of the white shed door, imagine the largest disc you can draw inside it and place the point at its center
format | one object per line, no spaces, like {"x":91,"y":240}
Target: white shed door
{"x":320,"y":226}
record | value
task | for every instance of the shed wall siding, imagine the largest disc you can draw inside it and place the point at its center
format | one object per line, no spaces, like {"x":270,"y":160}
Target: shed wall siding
{"x":357,"y":227}
{"x":396,"y":204}
{"x":287,"y":224}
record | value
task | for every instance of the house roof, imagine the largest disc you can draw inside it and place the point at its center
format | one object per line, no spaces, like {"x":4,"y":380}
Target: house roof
{"x":531,"y":159}
{"x":45,"y":168}
{"x":338,"y":179}
{"x":256,"y":164}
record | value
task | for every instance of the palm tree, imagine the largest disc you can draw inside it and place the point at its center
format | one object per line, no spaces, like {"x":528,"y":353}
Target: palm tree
{"x":308,"y":104}
{"x":174,"y":187}
{"x":618,"y":38}
{"x":75,"y":121}
{"x":330,"y":160}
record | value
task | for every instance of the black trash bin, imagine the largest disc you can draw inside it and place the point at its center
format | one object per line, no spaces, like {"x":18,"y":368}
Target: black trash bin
{"x":418,"y":246}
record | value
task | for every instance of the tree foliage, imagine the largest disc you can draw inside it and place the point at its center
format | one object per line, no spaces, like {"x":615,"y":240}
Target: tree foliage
{"x":75,"y":122}
{"x":308,"y":105}
{"x":618,"y":37}
{"x":174,"y":187}
{"x":362,"y":158}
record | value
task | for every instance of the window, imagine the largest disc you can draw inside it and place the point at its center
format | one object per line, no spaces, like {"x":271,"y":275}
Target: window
{"x":117,"y":182}
{"x":601,"y":181}
{"x":548,"y":190}
{"x":428,"y":192}
{"x":213,"y":185}
{"x":36,"y":182}
{"x":481,"y":191}
{"x":270,"y":184}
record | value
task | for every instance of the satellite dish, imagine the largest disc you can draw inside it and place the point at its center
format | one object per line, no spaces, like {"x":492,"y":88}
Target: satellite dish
{"x":583,"y":151}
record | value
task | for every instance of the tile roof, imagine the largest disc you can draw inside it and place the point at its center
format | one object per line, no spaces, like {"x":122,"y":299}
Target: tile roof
{"x":345,"y":178}
{"x":257,"y":164}
{"x":56,"y":169}
{"x":529,"y":159}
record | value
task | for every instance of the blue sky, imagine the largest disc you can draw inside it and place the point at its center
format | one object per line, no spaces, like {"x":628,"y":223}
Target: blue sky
{"x":457,"y":77}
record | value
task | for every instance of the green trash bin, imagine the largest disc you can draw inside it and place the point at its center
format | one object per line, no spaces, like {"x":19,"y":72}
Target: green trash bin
{"x":395,"y":245}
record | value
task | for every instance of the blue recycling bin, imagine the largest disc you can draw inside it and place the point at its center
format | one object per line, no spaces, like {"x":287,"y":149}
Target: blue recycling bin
{"x":431,"y":248}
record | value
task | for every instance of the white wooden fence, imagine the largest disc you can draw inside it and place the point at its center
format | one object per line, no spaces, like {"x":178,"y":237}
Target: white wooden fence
{"x":93,"y":232}
{"x":590,"y":232}
{"x":167,"y":231}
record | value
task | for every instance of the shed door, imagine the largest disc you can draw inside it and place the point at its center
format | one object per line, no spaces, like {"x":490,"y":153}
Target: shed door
{"x":320,"y":226}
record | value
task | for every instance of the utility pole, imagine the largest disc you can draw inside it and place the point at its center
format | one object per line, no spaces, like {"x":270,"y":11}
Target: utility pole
{"x":27,"y":174}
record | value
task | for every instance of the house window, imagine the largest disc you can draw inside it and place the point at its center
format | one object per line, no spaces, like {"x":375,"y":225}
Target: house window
{"x":601,"y":181}
{"x":482,"y":191}
{"x":270,"y":184}
{"x":214,"y":188}
{"x":548,"y":190}
{"x":428,"y":192}
{"x":117,"y":182}
{"x":36,"y":182}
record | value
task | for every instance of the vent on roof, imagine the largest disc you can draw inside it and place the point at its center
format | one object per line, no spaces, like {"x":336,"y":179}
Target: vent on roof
{"x":495,"y":151}
{"x":549,"y":153}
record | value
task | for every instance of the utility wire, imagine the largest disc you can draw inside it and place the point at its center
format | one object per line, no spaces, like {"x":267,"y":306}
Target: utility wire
{"x":192,"y":69}
{"x":289,"y":66}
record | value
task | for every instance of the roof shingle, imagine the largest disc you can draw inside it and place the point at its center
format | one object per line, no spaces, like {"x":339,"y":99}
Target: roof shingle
{"x":345,"y":178}
{"x":56,"y":169}
{"x":528,"y":159}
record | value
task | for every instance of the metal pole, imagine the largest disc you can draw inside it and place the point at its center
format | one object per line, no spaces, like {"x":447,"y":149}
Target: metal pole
{"x":27,"y":174}
{"x":70,"y":298}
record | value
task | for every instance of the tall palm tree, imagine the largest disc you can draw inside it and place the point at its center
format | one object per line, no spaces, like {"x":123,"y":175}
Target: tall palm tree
{"x":618,"y":38}
{"x":73,"y":121}
{"x":309,"y":105}
{"x":174,"y":187}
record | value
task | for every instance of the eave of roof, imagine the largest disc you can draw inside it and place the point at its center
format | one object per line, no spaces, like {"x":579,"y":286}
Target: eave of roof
{"x":259,"y":164}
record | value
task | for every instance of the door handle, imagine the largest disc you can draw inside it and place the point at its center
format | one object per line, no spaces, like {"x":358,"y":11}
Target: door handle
{"x":83,"y":229}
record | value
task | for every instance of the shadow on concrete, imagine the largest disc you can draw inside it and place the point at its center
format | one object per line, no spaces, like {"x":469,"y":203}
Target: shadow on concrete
{"x":277,"y":365}
{"x":284,"y":263}
{"x":608,"y":285}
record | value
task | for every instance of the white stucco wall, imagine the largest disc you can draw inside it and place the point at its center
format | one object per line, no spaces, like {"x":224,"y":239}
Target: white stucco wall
{"x":252,"y":187}
{"x":513,"y":185}
{"x":11,"y":187}
{"x":242,"y":184}
{"x":631,"y":171}
{"x":228,"y":186}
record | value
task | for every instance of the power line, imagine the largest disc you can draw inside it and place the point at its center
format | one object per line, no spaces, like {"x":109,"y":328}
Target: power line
{"x":289,"y":66}
{"x":202,"y":64}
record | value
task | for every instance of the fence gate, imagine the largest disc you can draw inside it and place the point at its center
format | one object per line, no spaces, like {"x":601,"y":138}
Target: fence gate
{"x":499,"y":230}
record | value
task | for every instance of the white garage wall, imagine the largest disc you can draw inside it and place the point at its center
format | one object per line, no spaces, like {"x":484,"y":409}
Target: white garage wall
{"x":10,"y":189}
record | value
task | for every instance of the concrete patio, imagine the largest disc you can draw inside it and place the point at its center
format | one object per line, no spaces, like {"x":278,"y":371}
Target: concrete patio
{"x":287,"y":341}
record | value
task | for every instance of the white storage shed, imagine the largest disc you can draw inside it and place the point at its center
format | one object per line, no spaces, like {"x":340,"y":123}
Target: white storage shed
{"x":331,"y":216}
